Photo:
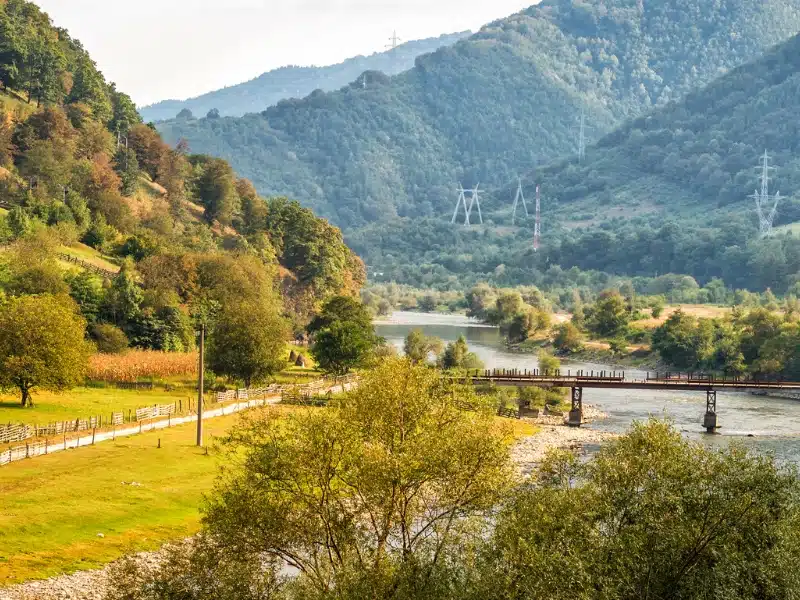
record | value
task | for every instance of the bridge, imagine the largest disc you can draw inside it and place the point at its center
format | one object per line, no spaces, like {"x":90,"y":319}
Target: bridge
{"x":579,"y":380}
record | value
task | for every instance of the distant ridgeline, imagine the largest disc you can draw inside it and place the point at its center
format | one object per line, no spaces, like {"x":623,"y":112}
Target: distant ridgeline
{"x":296,"y":82}
{"x":490,"y":107}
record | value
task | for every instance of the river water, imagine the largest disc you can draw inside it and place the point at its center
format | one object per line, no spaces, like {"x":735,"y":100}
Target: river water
{"x":769,"y":424}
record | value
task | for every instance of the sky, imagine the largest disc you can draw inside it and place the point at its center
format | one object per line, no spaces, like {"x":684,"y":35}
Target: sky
{"x":173,"y":49}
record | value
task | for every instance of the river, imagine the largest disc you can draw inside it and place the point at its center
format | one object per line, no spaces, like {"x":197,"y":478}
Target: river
{"x":769,"y":424}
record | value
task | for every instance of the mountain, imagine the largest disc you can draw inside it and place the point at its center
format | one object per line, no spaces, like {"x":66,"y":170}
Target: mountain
{"x":297,"y":82}
{"x":671,"y":191}
{"x":77,"y":165}
{"x":490,"y":107}
{"x":665,"y":193}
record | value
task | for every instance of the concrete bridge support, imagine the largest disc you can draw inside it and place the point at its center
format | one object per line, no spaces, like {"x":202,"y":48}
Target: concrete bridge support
{"x":576,"y":414}
{"x":710,"y":419}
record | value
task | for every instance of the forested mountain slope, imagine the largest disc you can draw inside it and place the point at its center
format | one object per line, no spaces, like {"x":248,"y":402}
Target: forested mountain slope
{"x":296,"y":82}
{"x":665,"y":193}
{"x":490,"y":107}
{"x":191,"y":237}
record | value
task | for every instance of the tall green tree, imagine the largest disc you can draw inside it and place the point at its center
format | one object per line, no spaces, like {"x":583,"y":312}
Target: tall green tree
{"x":42,"y":345}
{"x":247,"y":341}
{"x":418,"y":347}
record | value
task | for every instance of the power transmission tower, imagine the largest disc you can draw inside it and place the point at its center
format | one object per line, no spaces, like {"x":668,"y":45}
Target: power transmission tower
{"x":474,"y":201}
{"x":763,"y":199}
{"x":462,"y":201}
{"x":520,"y":195}
{"x":537,"y":228}
{"x":582,"y":138}
{"x":394,"y":41}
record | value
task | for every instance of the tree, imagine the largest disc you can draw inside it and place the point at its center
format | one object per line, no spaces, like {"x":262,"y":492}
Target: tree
{"x":427,"y":303}
{"x":568,"y":338}
{"x":609,"y":316}
{"x":42,"y":345}
{"x":685,"y":341}
{"x":216,"y":190}
{"x":343,"y":346}
{"x":547,"y":362}
{"x":457,"y":356}
{"x":418,"y":346}
{"x":247,"y":341}
{"x":341,"y":308}
{"x":108,"y":339}
{"x":373,"y":495}
{"x":635,"y":522}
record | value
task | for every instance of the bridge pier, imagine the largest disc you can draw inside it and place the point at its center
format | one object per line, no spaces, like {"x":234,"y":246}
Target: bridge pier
{"x":576,"y":414}
{"x":710,"y":419}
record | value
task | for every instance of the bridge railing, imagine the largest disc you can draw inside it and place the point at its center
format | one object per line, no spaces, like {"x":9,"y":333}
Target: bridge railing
{"x":547,"y":374}
{"x":691,"y":377}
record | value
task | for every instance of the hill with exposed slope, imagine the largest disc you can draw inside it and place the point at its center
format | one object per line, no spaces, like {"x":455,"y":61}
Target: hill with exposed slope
{"x":296,"y":82}
{"x":489,"y":107}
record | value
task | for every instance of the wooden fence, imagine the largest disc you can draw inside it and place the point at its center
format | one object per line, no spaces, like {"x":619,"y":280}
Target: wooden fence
{"x":87,"y":265}
{"x":243,"y":398}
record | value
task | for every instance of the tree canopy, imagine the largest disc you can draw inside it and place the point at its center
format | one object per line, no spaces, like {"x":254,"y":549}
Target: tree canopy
{"x":42,"y":345}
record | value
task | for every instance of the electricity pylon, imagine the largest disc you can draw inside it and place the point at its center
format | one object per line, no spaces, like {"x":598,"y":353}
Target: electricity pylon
{"x":475,"y":201}
{"x":520,"y":196}
{"x":763,"y":199}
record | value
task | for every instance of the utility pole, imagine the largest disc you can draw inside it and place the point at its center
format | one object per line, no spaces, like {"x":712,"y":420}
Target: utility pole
{"x":461,"y":201}
{"x":537,"y":228}
{"x":201,"y":386}
{"x":520,"y":195}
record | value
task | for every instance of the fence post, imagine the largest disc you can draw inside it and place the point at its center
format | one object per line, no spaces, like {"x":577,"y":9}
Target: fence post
{"x":94,"y":431}
{"x":27,"y":450}
{"x":45,"y":446}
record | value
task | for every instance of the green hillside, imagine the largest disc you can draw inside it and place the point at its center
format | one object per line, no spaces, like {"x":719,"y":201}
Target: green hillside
{"x":296,"y":82}
{"x":490,"y":107}
{"x":143,"y":236}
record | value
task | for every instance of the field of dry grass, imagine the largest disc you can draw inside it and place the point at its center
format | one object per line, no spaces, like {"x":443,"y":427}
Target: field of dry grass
{"x":705,"y":311}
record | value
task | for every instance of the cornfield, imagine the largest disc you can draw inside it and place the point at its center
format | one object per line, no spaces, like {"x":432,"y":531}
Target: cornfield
{"x":141,"y":364}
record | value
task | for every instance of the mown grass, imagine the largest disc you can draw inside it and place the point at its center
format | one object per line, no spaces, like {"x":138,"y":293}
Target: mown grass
{"x":54,"y":507}
{"x":83,"y":403}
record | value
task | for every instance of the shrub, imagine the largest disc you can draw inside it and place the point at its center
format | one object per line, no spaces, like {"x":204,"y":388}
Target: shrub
{"x":108,"y":338}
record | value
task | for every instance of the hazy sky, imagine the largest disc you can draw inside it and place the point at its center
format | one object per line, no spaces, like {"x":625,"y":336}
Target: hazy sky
{"x":159,"y":49}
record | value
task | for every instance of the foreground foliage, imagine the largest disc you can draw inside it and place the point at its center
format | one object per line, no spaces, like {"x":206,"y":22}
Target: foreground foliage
{"x":394,"y":492}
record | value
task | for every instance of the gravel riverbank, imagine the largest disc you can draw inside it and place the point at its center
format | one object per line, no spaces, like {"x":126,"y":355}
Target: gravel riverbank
{"x":528,"y":452}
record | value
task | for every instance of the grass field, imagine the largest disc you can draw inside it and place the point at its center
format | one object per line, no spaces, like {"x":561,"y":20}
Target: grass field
{"x":706,"y":311}
{"x":90,"y":255}
{"x":83,"y":403}
{"x":54,"y":507}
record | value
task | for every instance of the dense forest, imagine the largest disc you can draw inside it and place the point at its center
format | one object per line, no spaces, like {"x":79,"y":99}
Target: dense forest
{"x":488,"y":108}
{"x":144,"y":237}
{"x":295,"y":82}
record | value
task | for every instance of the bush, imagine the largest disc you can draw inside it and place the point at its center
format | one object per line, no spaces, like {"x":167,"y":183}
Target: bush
{"x":109,"y":339}
{"x":568,"y":339}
